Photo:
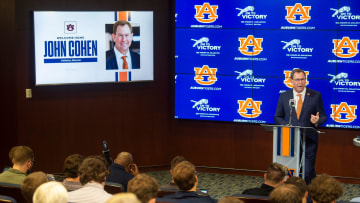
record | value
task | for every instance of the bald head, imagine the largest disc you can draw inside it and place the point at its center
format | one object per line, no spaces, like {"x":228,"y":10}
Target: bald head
{"x":124,"y":159}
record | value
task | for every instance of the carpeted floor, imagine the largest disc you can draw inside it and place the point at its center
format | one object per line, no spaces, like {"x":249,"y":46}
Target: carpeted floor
{"x":221,"y":185}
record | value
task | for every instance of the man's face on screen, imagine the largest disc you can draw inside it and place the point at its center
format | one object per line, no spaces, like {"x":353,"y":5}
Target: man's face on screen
{"x":122,"y":38}
{"x":299,"y":81}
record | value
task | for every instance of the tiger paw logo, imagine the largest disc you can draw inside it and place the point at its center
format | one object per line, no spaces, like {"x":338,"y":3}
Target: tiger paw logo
{"x":345,"y":47}
{"x":343,"y":113}
{"x":206,"y":13}
{"x":298,"y":14}
{"x":250,"y":46}
{"x":249,"y":108}
{"x":287,"y":80}
{"x":205,"y":75}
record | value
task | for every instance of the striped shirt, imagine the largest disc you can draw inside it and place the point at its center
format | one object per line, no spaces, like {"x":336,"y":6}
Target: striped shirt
{"x":91,"y":192}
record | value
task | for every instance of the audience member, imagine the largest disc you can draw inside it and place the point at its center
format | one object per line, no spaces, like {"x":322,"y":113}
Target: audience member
{"x":22,"y":158}
{"x":300,"y":184}
{"x":123,"y":169}
{"x":185,"y":177}
{"x":286,"y":193}
{"x":325,"y":189}
{"x":93,"y":172}
{"x":31,"y":183}
{"x":171,"y":186}
{"x":230,"y":200}
{"x":51,"y":192}
{"x":124,"y":197}
{"x":273,"y":177}
{"x":144,"y":187}
{"x":72,"y":177}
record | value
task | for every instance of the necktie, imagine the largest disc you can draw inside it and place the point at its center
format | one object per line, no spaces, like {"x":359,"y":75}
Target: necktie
{"x":299,"y":106}
{"x":125,"y":64}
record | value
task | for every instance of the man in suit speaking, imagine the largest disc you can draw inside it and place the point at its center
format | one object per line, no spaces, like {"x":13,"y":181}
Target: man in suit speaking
{"x":307,"y":111}
{"x":121,"y":57}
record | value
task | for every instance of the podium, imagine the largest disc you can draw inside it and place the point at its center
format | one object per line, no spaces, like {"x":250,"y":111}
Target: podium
{"x":289,"y":146}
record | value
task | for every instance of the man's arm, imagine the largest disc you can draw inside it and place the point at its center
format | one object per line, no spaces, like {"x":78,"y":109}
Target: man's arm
{"x":279,"y":116}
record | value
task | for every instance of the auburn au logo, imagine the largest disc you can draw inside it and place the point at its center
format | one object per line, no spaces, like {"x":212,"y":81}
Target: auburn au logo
{"x":249,"y":108}
{"x":302,"y":12}
{"x":205,"y":75}
{"x":287,"y":80}
{"x":290,"y":172}
{"x":345,"y":45}
{"x":343,"y":113}
{"x":250,"y":41}
{"x":206,"y":13}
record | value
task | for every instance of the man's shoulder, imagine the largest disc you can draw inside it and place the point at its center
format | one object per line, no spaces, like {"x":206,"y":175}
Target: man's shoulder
{"x":264,"y":190}
{"x":191,"y":196}
{"x":110,"y":53}
{"x":12,"y":176}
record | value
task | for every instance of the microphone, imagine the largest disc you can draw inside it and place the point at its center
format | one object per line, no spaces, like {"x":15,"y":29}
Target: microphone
{"x":106,"y":152}
{"x":291,"y":105}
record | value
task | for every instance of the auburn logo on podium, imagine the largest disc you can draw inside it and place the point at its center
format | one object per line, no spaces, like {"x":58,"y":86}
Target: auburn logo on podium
{"x":250,"y":41}
{"x":249,"y":108}
{"x":206,"y":13}
{"x":287,"y":80}
{"x":345,"y":110}
{"x":345,"y":47}
{"x":300,"y":11}
{"x":205,"y":75}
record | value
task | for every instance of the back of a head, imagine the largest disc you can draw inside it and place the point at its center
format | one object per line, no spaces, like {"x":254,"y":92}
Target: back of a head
{"x":31,"y":183}
{"x":325,"y":189}
{"x":184,"y":175}
{"x":299,"y":183}
{"x":176,"y":160}
{"x":275,"y":173}
{"x":53,"y":192}
{"x":21,"y":154}
{"x":71,"y":165}
{"x":144,"y":187}
{"x":230,"y":200}
{"x":93,"y":168}
{"x":124,"y":159}
{"x":124,"y":197}
{"x":286,"y":193}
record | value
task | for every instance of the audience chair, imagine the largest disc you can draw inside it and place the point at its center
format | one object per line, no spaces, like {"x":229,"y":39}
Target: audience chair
{"x":162,"y":193}
{"x":12,"y":190}
{"x":253,"y":198}
{"x":113,"y":188}
{"x":4,"y":199}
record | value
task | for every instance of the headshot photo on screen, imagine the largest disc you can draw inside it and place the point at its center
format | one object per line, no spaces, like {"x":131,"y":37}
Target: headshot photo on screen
{"x":122,"y":48}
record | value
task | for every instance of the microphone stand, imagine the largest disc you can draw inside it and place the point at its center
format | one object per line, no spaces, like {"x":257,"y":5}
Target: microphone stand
{"x":291,"y":105}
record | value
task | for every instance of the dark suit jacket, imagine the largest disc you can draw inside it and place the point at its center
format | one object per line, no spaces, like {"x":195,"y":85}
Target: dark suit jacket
{"x":119,"y":175}
{"x":111,"y":63}
{"x":312,"y":104}
{"x":264,"y":190}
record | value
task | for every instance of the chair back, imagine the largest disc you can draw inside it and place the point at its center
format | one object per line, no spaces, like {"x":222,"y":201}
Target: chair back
{"x":6,"y":199}
{"x":12,"y":190}
{"x":113,"y":188}
{"x":163,"y":193}
{"x":253,"y":198}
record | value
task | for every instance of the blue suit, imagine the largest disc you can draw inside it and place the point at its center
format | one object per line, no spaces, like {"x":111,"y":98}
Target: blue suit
{"x":312,"y":104}
{"x":111,"y":63}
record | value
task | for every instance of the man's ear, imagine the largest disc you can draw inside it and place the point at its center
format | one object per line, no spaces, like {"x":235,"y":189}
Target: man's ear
{"x":171,"y":172}
{"x":265,"y":176}
{"x":196,"y":179}
{"x":153,"y":200}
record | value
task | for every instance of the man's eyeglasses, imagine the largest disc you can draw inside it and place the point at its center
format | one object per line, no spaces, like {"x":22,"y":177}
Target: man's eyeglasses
{"x":299,"y":80}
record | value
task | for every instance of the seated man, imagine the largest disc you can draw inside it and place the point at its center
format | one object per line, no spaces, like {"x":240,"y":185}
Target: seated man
{"x":53,"y":192}
{"x":273,"y":177}
{"x":185,"y":177}
{"x":171,"y":186}
{"x":286,"y":193}
{"x":300,"y":184}
{"x":22,"y":158}
{"x":325,"y":189}
{"x":31,"y":183}
{"x":72,"y":177}
{"x":144,"y":187}
{"x":93,"y":172}
{"x":123,"y":169}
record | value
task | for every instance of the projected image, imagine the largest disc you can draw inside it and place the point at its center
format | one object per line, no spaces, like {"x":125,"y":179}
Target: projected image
{"x":233,"y":59}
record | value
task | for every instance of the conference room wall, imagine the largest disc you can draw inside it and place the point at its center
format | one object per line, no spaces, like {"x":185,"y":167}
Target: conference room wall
{"x":136,"y":117}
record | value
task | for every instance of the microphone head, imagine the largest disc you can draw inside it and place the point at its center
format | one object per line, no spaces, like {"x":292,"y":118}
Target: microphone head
{"x":291,"y":102}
